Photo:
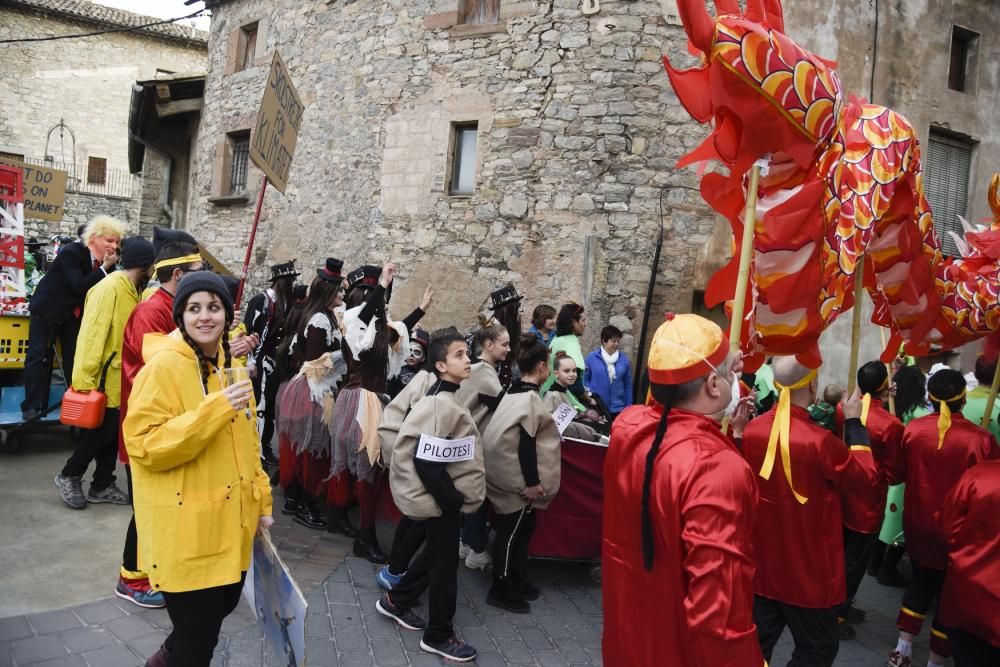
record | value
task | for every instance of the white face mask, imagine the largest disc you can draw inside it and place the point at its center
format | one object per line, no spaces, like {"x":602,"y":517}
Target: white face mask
{"x":734,"y":398}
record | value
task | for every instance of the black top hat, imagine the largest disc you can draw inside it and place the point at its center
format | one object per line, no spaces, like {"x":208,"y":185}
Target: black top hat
{"x":163,"y":235}
{"x":33,"y":243}
{"x":503,"y":296}
{"x":365,"y":277}
{"x":421,"y":336}
{"x":332,"y":271}
{"x":286,"y":270}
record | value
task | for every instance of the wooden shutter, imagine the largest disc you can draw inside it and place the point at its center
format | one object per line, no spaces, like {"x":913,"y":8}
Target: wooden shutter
{"x":482,"y":11}
{"x":946,"y":184}
{"x":97,"y":170}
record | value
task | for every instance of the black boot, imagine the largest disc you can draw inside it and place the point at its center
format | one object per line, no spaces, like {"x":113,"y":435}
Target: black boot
{"x":502,"y":595}
{"x":523,"y":588}
{"x":160,"y":658}
{"x":310,"y":518}
{"x":888,"y":575}
{"x":366,"y":546}
{"x":292,"y":506}
{"x":337,"y":521}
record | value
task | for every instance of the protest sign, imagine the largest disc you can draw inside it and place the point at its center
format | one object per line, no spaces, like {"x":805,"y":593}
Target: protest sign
{"x":563,"y":416}
{"x":277,"y":602}
{"x":44,"y":190}
{"x":277,"y":128}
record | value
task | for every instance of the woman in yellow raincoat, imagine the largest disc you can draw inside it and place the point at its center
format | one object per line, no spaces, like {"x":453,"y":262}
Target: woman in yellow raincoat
{"x":200,"y":493}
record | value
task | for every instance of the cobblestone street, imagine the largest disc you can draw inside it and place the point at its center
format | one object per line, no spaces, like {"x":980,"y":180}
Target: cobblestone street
{"x":343,"y":627}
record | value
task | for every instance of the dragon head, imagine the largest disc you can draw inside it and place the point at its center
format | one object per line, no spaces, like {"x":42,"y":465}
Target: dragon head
{"x":753,"y":76}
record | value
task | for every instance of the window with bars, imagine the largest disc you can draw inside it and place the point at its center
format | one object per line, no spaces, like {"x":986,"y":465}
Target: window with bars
{"x":248,"y":45}
{"x":946,"y":184}
{"x":97,"y":170}
{"x":463,"y":158}
{"x":239,"y":146}
{"x":479,"y":12}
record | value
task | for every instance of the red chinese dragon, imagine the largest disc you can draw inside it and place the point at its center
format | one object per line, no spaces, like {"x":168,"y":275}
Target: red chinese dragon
{"x":843,"y":186}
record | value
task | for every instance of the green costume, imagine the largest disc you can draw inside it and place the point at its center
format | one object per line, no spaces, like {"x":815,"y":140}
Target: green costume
{"x":975,"y":408}
{"x":892,"y":524}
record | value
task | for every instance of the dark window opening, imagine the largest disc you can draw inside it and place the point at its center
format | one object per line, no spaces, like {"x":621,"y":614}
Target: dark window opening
{"x":463,"y":162}
{"x":964,"y":48}
{"x":239,"y":145}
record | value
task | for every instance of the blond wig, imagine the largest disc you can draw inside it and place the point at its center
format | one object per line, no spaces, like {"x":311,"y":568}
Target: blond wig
{"x":103,"y":225}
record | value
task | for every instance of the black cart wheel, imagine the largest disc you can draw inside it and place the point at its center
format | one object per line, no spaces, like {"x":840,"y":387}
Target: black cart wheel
{"x":595,"y":574}
{"x":9,"y":442}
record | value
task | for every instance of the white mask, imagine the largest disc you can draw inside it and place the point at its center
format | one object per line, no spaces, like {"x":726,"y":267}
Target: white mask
{"x":734,"y":398}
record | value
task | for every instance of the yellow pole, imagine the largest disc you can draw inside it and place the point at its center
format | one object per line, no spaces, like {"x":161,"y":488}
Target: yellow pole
{"x":859,"y":279}
{"x":743,"y":277}
{"x":888,"y":368}
{"x":988,"y":415}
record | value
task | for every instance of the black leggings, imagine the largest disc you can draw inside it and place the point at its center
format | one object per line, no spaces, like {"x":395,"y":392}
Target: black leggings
{"x":130,"y":554}
{"x":197,"y":618}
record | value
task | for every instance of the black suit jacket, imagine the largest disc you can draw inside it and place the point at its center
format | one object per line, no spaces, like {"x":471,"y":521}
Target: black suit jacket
{"x":62,"y":289}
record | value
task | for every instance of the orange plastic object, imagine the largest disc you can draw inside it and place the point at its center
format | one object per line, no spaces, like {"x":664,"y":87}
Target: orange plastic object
{"x":83,"y":409}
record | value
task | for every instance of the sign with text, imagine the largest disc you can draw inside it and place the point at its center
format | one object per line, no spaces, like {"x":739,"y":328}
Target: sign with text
{"x":443,"y":450}
{"x":278,"y":121}
{"x":563,"y":416}
{"x":44,"y":190}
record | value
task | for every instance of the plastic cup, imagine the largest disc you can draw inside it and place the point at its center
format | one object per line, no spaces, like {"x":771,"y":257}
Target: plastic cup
{"x":235,"y":375}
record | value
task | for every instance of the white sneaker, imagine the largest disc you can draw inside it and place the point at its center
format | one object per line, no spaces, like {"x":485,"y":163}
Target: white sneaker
{"x":477,"y":560}
{"x":463,"y":550}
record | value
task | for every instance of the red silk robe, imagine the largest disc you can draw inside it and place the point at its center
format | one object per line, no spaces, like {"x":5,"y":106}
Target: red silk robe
{"x":154,"y":315}
{"x":695,"y":607}
{"x":970,"y":523}
{"x":930,"y":473}
{"x":800,"y":547}
{"x":864,"y":510}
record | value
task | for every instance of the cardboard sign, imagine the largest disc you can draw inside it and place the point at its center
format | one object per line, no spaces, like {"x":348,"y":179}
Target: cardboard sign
{"x":277,"y":602}
{"x":443,"y":450}
{"x":563,"y":416}
{"x":44,"y":190}
{"x":278,"y":121}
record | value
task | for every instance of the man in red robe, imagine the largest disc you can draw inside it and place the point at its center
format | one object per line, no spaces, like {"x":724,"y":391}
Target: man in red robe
{"x":970,"y":598}
{"x":679,"y":503}
{"x":935,"y":451}
{"x":798,"y":537}
{"x":864,"y":509}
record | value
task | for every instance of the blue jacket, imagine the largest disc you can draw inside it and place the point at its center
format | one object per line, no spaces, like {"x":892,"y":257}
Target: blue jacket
{"x":543,"y":336}
{"x":617,"y":396}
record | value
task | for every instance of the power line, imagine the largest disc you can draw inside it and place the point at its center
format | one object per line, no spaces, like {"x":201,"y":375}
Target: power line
{"x":103,"y":32}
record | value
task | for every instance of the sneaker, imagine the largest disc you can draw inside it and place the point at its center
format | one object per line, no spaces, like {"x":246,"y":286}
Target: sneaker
{"x":454,"y":649}
{"x":139,"y":592}
{"x":111,"y":494}
{"x":477,"y":560}
{"x":405,"y":617}
{"x":71,"y":490}
{"x":897,"y":659}
{"x":463,"y":550}
{"x":386,"y":579}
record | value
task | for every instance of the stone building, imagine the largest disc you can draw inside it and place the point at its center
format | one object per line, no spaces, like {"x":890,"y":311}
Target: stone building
{"x":478,"y":142}
{"x":86,"y":84}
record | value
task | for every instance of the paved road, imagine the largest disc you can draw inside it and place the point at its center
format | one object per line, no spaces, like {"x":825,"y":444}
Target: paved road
{"x":61,"y":555}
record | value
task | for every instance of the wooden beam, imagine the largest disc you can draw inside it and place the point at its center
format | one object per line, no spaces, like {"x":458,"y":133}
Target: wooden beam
{"x":165,"y":109}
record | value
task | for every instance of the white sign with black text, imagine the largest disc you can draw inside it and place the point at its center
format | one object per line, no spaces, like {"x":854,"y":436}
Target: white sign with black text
{"x":443,"y":450}
{"x":563,"y":415}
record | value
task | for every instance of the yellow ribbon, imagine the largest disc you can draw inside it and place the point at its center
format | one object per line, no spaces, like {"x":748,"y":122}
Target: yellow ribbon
{"x":866,"y":401}
{"x":177,"y":261}
{"x":780,"y":433}
{"x":944,"y":418}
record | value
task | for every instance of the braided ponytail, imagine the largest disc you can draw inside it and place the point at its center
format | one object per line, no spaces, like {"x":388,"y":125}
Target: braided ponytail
{"x":225,"y":344}
{"x":665,"y":395}
{"x":203,"y":361}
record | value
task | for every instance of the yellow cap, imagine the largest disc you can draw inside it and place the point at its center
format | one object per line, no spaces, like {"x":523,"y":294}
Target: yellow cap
{"x":684,"y":348}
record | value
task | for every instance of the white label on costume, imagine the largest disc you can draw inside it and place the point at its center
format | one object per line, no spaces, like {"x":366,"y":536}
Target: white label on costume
{"x":442,"y":450}
{"x":563,"y":415}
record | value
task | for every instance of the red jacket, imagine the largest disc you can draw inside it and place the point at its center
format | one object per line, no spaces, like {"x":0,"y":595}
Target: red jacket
{"x":800,"y":547}
{"x":154,"y":315}
{"x":695,"y":608}
{"x":970,"y":598}
{"x":864,"y":509}
{"x":929,"y":474}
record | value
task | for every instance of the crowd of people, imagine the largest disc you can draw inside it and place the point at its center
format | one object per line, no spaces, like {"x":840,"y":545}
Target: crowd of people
{"x":348,"y":405}
{"x":773,"y":524}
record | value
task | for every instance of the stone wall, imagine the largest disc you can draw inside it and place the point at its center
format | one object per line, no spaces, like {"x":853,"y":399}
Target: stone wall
{"x":579,"y":132}
{"x":86,"y":82}
{"x":81,"y":207}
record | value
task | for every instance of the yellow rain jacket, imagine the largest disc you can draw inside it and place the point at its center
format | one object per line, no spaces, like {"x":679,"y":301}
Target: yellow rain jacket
{"x":105,"y":313}
{"x":198,"y":488}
